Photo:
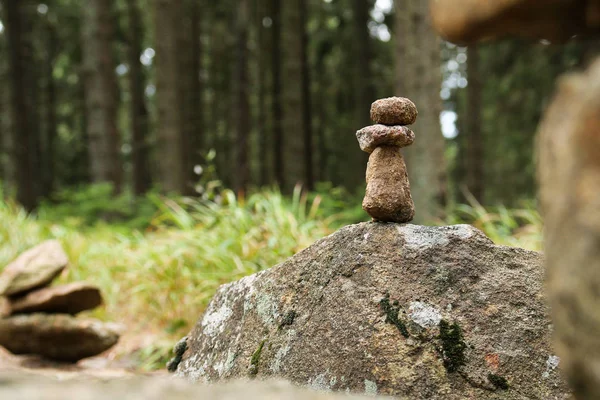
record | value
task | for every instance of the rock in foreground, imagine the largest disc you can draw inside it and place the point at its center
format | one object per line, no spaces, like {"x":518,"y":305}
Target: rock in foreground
{"x":155,"y":388}
{"x":411,"y":311}
{"x":66,"y":299}
{"x":56,"y":337}
{"x":34,"y":268}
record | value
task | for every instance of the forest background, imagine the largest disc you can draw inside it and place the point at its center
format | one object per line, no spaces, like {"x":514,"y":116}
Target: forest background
{"x":174,"y":145}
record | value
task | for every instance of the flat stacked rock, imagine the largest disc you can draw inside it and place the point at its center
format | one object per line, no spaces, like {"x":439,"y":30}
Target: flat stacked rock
{"x":39,"y":319}
{"x":388,"y":197}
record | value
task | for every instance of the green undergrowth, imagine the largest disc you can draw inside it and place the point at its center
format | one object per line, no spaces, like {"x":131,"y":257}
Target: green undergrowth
{"x":159,"y":260}
{"x":519,"y":227}
{"x":163,"y":276}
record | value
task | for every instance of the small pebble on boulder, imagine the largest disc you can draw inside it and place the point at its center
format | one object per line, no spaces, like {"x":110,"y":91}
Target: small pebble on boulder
{"x":394,"y":111}
{"x":34,"y":268}
{"x":67,"y":299}
{"x":57,"y":337}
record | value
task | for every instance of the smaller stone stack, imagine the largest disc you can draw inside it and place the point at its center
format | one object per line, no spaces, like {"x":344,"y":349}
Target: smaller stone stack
{"x":39,"y":319}
{"x":388,"y":197}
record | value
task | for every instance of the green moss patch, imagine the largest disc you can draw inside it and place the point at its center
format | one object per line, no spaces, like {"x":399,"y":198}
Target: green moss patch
{"x":498,"y":381}
{"x":453,"y":345}
{"x":392,"y":312}
{"x":288,"y":319}
{"x":256,"y":358}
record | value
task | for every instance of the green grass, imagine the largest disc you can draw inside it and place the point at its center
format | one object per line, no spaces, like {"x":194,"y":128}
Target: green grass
{"x":521,"y":227}
{"x":159,"y":272}
{"x":161,"y":278}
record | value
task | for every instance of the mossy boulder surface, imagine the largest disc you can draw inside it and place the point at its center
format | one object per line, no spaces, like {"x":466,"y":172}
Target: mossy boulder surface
{"x":392,"y":309}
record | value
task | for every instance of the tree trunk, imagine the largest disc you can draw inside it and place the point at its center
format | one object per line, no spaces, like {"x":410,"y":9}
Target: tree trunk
{"x":420,"y":80}
{"x":169,"y":104}
{"x":138,"y":112}
{"x":276,"y":58}
{"x":101,"y":92}
{"x":364,"y":90}
{"x":474,"y":139}
{"x":196,"y":116}
{"x":242,"y":120}
{"x":261,"y":123}
{"x":293,"y":115}
{"x":50,"y":139}
{"x":190,"y":89}
{"x":6,"y":173}
{"x":400,"y":37}
{"x":306,"y":100}
{"x":23,"y":115}
{"x":321,"y":129}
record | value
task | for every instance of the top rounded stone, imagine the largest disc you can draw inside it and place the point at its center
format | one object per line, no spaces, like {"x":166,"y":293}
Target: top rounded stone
{"x":394,"y":111}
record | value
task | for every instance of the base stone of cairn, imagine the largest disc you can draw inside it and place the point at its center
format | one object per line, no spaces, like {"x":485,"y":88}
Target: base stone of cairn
{"x":57,"y":336}
{"x":37,"y":319}
{"x":410,"y":311}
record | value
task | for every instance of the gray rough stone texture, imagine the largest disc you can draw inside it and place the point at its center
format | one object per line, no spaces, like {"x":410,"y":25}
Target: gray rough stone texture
{"x":27,"y":387}
{"x":394,"y":111}
{"x":569,"y":176}
{"x":71,"y":299}
{"x":387,"y":197}
{"x":56,"y":336}
{"x":373,"y":136}
{"x":318,"y":318}
{"x":34,"y":268}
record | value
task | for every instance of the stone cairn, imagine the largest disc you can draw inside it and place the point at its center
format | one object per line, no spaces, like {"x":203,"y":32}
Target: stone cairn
{"x":387,"y":197}
{"x":38,"y":319}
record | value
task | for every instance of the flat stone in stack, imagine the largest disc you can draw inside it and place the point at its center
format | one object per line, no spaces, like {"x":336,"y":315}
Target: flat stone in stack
{"x":41,"y":321}
{"x":67,"y":299}
{"x":57,"y":337}
{"x":33,"y":269}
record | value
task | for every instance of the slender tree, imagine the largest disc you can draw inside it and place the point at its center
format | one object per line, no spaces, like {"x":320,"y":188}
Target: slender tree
{"x":20,"y":47}
{"x":306,"y":99}
{"x":138,"y":113}
{"x":195,"y":88}
{"x":169,"y":103}
{"x":5,"y":174}
{"x":323,"y":50}
{"x":190,"y":89}
{"x":293,"y":116}
{"x":276,"y":96}
{"x":364,"y":92}
{"x":51,"y":46}
{"x":420,"y":80}
{"x":261,"y":81}
{"x":242,"y":97}
{"x":101,"y":93}
{"x":474,"y":139}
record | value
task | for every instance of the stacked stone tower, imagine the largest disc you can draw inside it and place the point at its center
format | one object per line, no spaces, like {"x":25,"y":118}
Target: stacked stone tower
{"x":387,"y":197}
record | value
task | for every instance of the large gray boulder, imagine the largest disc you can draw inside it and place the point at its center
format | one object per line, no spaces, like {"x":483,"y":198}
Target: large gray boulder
{"x":411,"y":311}
{"x":34,"y":268}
